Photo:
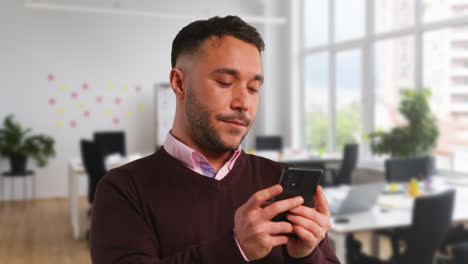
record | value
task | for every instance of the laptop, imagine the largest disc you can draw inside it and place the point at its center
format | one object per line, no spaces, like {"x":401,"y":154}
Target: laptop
{"x":360,"y":198}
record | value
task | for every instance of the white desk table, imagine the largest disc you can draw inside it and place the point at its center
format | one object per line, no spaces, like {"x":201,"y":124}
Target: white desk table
{"x":379,"y":218}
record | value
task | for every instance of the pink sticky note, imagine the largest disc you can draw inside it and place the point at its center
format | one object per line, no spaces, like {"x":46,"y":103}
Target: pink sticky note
{"x":50,"y":77}
{"x":99,"y":99}
{"x":138,"y":88}
{"x":74,"y":95}
{"x":85,"y":86}
{"x":117,"y":100}
{"x":86,"y":113}
{"x":51,"y":101}
{"x":116,"y":120}
{"x":73,"y":123}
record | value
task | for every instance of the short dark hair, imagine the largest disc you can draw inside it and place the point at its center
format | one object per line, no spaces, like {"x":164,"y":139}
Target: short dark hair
{"x":189,"y":38}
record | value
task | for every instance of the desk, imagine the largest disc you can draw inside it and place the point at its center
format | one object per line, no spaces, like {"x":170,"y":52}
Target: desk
{"x":377,"y":219}
{"x":75,"y":170}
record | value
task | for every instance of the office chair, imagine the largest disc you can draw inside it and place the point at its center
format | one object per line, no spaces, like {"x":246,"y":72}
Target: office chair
{"x":402,"y":170}
{"x":460,"y":253}
{"x":93,"y":163}
{"x":431,"y":221}
{"x":110,"y":142}
{"x":268,"y":143}
{"x":350,"y":159}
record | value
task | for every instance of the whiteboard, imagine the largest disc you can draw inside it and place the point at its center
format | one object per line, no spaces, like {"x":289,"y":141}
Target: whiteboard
{"x":165,"y":104}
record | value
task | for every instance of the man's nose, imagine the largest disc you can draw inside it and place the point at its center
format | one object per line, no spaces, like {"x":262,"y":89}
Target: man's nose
{"x":240,"y":98}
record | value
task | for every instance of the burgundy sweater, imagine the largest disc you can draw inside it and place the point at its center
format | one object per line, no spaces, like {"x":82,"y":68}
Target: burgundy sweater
{"x":156,"y":210}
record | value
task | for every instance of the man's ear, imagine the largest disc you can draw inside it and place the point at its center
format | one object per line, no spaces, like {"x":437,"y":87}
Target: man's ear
{"x":177,"y":81}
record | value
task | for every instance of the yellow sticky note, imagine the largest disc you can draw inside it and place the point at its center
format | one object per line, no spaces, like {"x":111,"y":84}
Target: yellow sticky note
{"x":109,"y":85}
{"x":141,"y":107}
{"x":80,"y":105}
{"x":63,"y":87}
{"x":125,"y":88}
{"x":60,"y":110}
{"x":106,"y":112}
{"x":129,"y":113}
{"x":59,"y":124}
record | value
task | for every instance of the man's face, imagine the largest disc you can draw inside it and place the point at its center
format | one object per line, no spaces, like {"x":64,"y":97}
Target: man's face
{"x":222,"y":92}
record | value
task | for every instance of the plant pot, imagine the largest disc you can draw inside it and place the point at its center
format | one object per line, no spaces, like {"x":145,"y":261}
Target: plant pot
{"x":18,"y":164}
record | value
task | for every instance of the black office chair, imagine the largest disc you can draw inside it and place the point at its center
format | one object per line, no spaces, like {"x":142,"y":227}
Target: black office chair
{"x":269,"y":143}
{"x":460,"y":253}
{"x":432,"y":217}
{"x":402,"y":170}
{"x":93,"y":163}
{"x":345,"y":172}
{"x":111,"y":142}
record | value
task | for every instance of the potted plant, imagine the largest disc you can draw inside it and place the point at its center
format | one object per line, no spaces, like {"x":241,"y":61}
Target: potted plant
{"x":417,"y":137}
{"x":17,"y":144}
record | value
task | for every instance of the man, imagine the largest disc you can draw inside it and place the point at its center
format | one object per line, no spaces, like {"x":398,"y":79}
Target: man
{"x":200,"y":198}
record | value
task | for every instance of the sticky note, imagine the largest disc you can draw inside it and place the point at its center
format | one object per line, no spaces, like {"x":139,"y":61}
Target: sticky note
{"x":60,"y":110}
{"x":51,"y":101}
{"x":86,"y":113}
{"x":125,"y":88}
{"x":85,"y":86}
{"x":108,"y":85}
{"x":63,"y":87}
{"x":106,"y":112}
{"x":117,"y":100}
{"x":72,"y":123}
{"x":80,"y":105}
{"x":50,"y":77}
{"x":59,"y":124}
{"x":141,"y":107}
{"x":129,"y":113}
{"x":138,"y":88}
{"x":116,"y":120}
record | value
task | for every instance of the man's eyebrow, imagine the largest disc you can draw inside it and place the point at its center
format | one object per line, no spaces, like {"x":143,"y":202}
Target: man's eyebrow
{"x":257,"y":77}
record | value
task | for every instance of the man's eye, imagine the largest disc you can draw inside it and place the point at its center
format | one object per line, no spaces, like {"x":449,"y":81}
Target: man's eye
{"x":224,"y":83}
{"x":253,"y":90}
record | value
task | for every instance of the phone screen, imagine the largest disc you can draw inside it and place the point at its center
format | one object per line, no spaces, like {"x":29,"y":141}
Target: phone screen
{"x":298,"y":181}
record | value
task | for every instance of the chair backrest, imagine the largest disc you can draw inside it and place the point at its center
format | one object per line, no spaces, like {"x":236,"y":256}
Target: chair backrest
{"x":432,"y":217}
{"x":402,"y":170}
{"x":350,"y":159}
{"x":269,"y":143}
{"x":94,"y":165}
{"x":111,"y":142}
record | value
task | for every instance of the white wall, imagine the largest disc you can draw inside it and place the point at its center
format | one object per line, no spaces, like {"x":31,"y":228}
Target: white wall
{"x":99,"y":49}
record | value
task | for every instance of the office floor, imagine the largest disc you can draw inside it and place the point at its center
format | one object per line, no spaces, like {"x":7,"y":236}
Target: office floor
{"x":39,"y":232}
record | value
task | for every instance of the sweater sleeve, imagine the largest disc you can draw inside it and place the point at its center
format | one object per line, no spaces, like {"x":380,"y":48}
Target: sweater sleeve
{"x":323,"y":254}
{"x":120,"y":233}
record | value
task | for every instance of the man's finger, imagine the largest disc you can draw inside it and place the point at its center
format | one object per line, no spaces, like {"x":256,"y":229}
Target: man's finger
{"x":278,"y":240}
{"x":275,"y":228}
{"x":321,"y":202}
{"x":259,"y":198}
{"x":278,"y":207}
{"x":312,"y":214}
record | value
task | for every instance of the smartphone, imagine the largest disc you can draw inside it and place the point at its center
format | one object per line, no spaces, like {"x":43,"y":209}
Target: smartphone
{"x":298,"y":181}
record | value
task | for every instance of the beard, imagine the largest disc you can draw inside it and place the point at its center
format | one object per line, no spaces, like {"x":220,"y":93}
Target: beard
{"x":202,"y":129}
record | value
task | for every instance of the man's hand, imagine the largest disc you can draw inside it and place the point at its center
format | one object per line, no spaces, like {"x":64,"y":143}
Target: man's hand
{"x":310,"y":225}
{"x":253,"y":228}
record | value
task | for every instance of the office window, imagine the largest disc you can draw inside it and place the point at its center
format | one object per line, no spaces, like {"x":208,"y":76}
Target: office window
{"x":437,"y":10}
{"x":316,"y":100}
{"x":350,"y":19}
{"x":348,"y":97}
{"x":393,"y":14}
{"x":315,"y":30}
{"x":446,"y":76}
{"x":373,"y":55}
{"x":394,"y":71}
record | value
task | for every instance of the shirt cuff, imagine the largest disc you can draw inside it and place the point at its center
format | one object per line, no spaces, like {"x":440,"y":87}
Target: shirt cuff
{"x":240,"y":249}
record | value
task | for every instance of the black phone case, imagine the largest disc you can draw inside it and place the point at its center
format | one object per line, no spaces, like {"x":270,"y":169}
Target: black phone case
{"x":298,"y":181}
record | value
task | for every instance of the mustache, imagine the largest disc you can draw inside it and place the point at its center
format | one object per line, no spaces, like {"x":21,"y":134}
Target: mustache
{"x":240,"y":116}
